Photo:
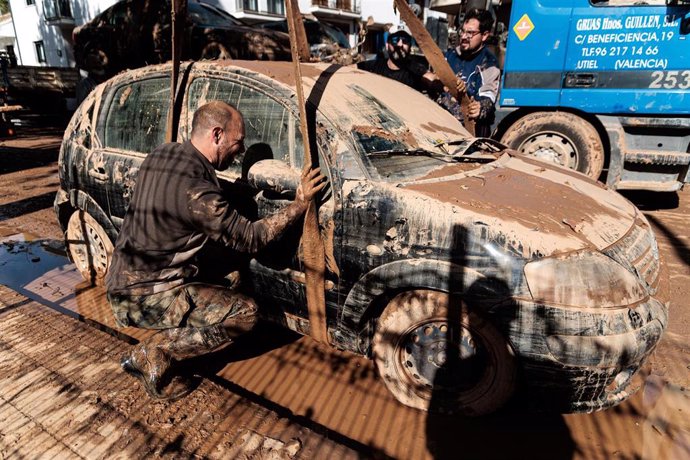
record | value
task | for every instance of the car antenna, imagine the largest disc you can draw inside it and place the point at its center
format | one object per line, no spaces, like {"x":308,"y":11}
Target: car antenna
{"x":312,"y":245}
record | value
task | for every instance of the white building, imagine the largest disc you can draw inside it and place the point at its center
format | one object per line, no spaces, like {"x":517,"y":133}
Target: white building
{"x":43,"y":28}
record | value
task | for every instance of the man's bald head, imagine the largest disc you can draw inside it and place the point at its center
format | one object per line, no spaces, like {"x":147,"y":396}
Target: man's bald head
{"x":212,"y":114}
{"x":218,"y":133}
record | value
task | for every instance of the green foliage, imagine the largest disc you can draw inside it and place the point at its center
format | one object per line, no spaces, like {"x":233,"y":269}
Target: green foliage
{"x":4,"y":6}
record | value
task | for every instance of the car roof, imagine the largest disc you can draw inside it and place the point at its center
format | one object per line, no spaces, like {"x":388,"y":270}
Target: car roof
{"x":351,"y":98}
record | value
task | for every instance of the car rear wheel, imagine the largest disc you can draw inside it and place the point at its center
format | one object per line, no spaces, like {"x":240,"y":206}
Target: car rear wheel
{"x":89,"y":247}
{"x":437,"y":356}
{"x":560,"y":137}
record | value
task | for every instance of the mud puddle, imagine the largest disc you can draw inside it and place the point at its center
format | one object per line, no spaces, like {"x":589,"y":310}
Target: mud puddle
{"x":40,"y":270}
{"x":341,"y":394}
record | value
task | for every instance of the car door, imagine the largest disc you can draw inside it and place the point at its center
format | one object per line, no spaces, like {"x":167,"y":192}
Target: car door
{"x":272,"y":132}
{"x":131,"y":123}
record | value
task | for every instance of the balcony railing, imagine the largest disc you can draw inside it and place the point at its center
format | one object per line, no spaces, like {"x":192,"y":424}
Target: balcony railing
{"x":345,"y":5}
{"x":278,"y":6}
{"x":54,"y":10}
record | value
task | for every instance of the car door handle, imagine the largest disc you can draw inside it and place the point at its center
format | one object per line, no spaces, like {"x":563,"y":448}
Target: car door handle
{"x":99,"y":174}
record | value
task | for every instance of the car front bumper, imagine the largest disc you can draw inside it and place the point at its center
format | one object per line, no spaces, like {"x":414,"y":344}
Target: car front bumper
{"x":579,"y":360}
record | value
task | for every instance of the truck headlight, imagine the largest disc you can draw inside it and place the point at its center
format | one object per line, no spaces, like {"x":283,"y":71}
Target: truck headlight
{"x":583,"y":279}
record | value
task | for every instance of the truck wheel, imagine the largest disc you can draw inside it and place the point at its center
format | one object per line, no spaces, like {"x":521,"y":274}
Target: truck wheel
{"x":431,"y":362}
{"x":559,"y":137}
{"x":89,"y":247}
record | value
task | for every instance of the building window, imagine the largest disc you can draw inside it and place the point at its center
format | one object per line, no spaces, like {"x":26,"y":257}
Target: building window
{"x":276,"y":7}
{"x":30,"y":2}
{"x":248,"y":5}
{"x":40,"y":51}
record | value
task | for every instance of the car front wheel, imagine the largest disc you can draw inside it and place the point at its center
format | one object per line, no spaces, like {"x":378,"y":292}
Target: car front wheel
{"x":89,"y":247}
{"x":436,"y":355}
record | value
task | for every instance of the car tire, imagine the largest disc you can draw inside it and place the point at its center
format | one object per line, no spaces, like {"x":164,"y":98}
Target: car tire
{"x":560,"y":137}
{"x":89,"y":246}
{"x":411,"y":350}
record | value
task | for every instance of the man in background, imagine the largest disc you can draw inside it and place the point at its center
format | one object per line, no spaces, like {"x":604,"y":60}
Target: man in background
{"x":477,"y":67}
{"x":399,"y":65}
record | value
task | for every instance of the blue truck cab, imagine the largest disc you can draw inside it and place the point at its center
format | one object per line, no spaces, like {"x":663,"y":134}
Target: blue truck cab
{"x":597,"y":85}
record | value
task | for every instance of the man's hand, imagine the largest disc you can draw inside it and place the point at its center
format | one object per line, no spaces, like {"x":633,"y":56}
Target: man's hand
{"x":312,"y":183}
{"x":474,"y":109}
{"x":460,"y":86}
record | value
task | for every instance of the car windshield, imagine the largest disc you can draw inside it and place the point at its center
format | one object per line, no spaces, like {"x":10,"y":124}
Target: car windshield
{"x":400,"y":134}
{"x":206,"y":15}
{"x":318,"y":32}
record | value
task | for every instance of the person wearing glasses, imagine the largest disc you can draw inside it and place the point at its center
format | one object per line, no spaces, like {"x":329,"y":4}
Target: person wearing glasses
{"x":178,"y":214}
{"x":399,"y":65}
{"x":477,"y":71}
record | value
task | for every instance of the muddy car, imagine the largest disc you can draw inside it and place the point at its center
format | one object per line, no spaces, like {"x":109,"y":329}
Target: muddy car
{"x":134,"y":33}
{"x":324,"y":39}
{"x":467,"y":271}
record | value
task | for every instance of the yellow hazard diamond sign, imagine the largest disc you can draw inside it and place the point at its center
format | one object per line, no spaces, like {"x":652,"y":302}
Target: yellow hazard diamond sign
{"x":523,"y":27}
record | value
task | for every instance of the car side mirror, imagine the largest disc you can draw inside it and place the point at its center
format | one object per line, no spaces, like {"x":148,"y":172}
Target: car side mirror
{"x":275,"y":176}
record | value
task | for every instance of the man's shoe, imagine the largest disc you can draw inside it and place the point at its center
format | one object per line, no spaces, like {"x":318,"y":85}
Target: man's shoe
{"x":152,"y":373}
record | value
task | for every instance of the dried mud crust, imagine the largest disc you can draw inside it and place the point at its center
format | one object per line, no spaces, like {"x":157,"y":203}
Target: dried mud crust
{"x":28,"y":182}
{"x":64,"y":393}
{"x":569,"y":130}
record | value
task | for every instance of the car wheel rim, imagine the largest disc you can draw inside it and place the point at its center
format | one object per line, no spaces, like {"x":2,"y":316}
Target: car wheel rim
{"x":435,"y":355}
{"x":89,"y":250}
{"x":553,"y":147}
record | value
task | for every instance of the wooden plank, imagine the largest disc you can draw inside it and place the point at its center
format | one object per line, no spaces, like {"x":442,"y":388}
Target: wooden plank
{"x":179,"y":14}
{"x":436,"y":59}
{"x":313,"y":250}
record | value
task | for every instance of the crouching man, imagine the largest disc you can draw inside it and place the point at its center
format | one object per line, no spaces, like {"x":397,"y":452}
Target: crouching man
{"x":178,"y":209}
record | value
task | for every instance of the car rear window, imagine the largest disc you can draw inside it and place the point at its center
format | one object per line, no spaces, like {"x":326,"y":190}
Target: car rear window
{"x":136,"y":115}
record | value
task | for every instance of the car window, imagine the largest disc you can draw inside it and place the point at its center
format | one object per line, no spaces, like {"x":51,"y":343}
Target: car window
{"x":271,"y":130}
{"x":136,"y":117}
{"x":201,"y":14}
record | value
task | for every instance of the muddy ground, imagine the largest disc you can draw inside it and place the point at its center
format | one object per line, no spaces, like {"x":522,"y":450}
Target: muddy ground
{"x":276,"y":395}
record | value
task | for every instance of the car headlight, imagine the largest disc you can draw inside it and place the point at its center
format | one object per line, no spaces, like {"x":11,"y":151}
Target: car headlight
{"x":583,"y":279}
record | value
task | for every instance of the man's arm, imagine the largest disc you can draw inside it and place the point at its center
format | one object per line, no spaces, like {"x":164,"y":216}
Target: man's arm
{"x":214,"y":217}
{"x":485,"y":101}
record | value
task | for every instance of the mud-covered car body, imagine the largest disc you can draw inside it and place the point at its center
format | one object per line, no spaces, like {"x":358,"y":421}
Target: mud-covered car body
{"x":134,"y":33}
{"x":556,"y":276}
{"x":324,"y":39}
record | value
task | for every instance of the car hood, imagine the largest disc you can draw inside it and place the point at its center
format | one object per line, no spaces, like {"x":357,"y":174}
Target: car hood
{"x":537,"y":208}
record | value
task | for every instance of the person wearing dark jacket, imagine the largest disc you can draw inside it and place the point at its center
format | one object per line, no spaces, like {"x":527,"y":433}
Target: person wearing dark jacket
{"x":178,"y":210}
{"x":477,"y":71}
{"x":399,"y":65}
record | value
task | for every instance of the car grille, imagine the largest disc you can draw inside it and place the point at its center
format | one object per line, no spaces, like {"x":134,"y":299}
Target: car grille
{"x":638,"y":252}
